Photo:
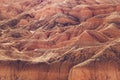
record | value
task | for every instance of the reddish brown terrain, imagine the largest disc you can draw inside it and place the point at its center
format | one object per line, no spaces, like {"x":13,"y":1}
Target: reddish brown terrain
{"x":59,"y":39}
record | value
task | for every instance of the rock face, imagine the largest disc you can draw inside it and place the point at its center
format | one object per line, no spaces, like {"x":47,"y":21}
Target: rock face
{"x":60,"y":40}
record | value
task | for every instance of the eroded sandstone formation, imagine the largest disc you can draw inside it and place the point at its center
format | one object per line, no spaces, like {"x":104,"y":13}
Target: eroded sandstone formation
{"x":59,"y":40}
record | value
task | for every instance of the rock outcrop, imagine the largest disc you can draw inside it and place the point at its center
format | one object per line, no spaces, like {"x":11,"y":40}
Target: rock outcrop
{"x":59,"y":40}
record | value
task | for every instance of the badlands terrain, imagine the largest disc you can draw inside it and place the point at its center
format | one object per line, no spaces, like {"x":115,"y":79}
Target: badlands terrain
{"x":59,"y":39}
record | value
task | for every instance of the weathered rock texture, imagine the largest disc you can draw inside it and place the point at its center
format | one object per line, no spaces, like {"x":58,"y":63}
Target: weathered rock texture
{"x":59,"y":39}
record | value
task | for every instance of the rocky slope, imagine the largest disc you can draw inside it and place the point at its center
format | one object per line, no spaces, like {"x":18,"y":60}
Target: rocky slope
{"x":59,"y":40}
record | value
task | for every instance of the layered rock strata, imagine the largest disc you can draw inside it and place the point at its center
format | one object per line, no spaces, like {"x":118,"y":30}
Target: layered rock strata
{"x":59,"y":40}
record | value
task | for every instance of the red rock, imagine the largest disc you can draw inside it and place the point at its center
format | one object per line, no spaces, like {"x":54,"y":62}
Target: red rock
{"x":97,"y":66}
{"x":82,"y":13}
{"x":59,"y":40}
{"x":22,"y":22}
{"x":111,"y":31}
{"x":118,"y":8}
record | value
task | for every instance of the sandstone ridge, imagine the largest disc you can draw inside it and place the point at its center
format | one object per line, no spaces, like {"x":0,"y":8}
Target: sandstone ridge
{"x":59,"y":40}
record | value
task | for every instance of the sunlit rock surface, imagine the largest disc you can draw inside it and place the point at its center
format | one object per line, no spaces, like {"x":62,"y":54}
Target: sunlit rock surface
{"x":59,"y":39}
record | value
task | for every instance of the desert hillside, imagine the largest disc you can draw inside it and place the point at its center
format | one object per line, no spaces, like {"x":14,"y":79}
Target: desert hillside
{"x":59,"y":39}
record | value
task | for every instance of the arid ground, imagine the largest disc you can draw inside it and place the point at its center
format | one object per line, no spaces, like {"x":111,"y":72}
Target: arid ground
{"x":59,"y":39}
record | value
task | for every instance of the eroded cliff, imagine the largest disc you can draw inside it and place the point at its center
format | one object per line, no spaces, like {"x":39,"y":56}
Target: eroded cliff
{"x":59,"y":40}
